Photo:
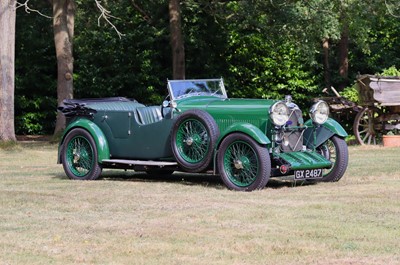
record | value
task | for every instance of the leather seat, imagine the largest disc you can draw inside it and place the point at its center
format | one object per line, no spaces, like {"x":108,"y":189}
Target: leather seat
{"x":149,"y":114}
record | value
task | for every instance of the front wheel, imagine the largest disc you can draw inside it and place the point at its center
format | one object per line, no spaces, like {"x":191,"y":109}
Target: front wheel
{"x":243,"y":164}
{"x":334,"y":149}
{"x":79,"y":156}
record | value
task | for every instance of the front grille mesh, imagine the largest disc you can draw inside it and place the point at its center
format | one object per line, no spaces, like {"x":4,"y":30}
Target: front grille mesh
{"x":293,"y":137}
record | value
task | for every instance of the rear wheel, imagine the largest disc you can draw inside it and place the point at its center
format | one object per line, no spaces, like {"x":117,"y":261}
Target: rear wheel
{"x":334,"y":149}
{"x":243,"y":164}
{"x":79,"y":156}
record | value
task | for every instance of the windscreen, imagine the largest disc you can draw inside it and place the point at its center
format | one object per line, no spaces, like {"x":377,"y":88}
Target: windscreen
{"x":203,"y":87}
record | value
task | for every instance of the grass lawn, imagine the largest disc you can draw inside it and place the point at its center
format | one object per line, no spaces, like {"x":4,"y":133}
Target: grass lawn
{"x":130,"y":218}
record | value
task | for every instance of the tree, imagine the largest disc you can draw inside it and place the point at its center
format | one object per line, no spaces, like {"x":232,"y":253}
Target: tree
{"x":261,"y":48}
{"x":63,"y":25}
{"x":178,"y":49}
{"x":7,"y":72}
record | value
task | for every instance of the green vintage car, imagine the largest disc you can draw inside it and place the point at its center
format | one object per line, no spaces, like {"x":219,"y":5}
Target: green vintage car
{"x":199,"y":129}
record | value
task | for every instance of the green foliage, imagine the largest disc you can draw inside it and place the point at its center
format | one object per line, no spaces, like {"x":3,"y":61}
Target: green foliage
{"x":382,"y":39}
{"x":391,"y":71}
{"x":263,"y":49}
{"x":259,"y":71}
{"x":350,"y":93}
{"x":133,"y":66}
{"x":35,"y":73}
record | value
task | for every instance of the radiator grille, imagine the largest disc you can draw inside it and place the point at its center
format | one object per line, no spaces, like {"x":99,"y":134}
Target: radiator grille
{"x":293,"y":137}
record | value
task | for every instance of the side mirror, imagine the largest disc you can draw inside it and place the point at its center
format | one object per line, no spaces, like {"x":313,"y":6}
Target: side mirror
{"x":165,"y":104}
{"x":171,"y":104}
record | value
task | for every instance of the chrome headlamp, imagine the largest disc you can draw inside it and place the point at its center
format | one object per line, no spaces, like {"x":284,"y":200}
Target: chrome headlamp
{"x":279,"y":113}
{"x":319,"y":112}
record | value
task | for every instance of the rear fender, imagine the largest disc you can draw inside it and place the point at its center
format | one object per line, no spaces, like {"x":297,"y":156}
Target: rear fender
{"x":103,"y":151}
{"x":322,"y":132}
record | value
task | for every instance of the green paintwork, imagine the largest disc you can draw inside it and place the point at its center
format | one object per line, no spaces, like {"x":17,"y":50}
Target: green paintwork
{"x":304,"y":160}
{"x":231,"y":107}
{"x":249,"y":116}
{"x":248,"y":129}
{"x":142,"y":141}
{"x":335,"y":127}
{"x":119,"y":123}
{"x":100,"y":139}
{"x":323,"y":132}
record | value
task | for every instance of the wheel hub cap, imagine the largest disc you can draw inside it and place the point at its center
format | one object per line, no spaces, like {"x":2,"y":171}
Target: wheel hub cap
{"x":189,"y":141}
{"x":193,"y":139}
{"x":241,"y":163}
{"x":238,"y":164}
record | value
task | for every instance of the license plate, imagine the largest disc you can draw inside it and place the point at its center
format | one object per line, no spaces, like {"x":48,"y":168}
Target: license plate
{"x":308,"y":174}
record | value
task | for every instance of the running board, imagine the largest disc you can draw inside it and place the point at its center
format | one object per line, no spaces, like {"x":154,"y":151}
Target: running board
{"x":139,"y":162}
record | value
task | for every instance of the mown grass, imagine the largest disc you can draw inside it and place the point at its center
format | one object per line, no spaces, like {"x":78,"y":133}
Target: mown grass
{"x":130,"y":218}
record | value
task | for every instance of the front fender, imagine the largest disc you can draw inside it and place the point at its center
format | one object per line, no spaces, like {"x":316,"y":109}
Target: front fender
{"x":103,"y":151}
{"x":323,"y":132}
{"x":248,"y":129}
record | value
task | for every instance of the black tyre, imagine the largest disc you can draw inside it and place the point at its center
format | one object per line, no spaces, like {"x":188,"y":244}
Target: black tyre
{"x":79,"y":155}
{"x":193,"y":139}
{"x":335,"y":149}
{"x":243,"y":164}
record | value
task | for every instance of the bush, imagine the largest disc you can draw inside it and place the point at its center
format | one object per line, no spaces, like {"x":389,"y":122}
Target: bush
{"x":351,"y":93}
{"x":391,"y":71}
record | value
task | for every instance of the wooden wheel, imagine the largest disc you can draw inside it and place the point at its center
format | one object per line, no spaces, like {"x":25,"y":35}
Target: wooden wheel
{"x":367,"y":128}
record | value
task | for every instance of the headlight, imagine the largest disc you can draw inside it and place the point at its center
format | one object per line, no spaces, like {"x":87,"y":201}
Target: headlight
{"x":319,"y":112}
{"x":279,"y":113}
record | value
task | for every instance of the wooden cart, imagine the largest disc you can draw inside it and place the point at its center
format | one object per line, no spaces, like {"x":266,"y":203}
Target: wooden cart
{"x":341,"y":109}
{"x":380,"y":99}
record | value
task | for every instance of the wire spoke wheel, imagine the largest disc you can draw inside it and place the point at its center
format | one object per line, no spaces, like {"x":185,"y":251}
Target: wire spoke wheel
{"x":192,"y":141}
{"x":243,"y":164}
{"x":79,"y":155}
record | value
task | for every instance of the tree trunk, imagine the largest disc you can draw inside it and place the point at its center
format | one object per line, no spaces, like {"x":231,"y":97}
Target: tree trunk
{"x":63,"y":26}
{"x":327,"y":70}
{"x":344,"y":56}
{"x":7,"y":70}
{"x":178,"y":50}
